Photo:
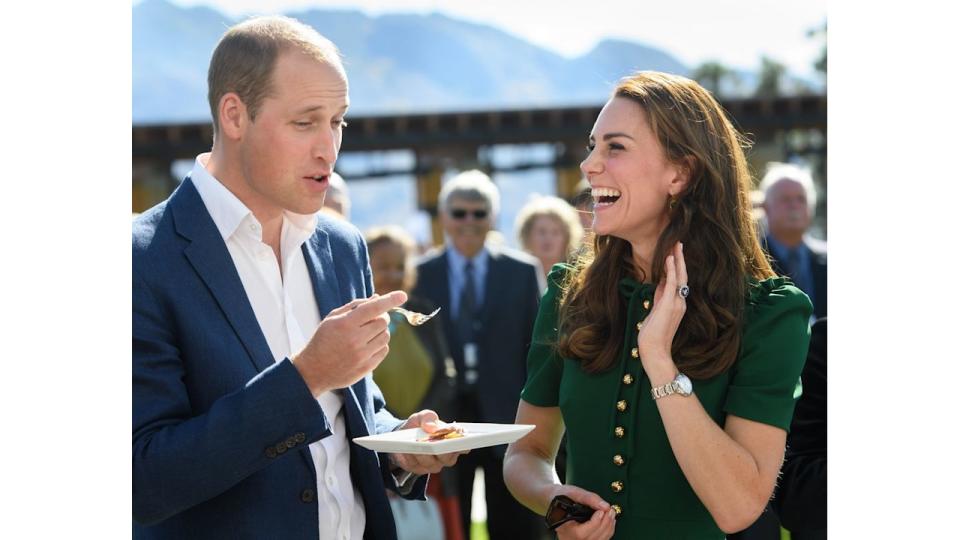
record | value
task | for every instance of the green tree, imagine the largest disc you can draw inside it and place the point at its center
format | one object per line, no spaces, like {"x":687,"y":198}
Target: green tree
{"x":772,"y":74}
{"x":711,"y":74}
{"x":820,"y":64}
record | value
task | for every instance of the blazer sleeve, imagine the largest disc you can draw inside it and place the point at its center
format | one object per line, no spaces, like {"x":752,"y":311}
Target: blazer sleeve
{"x":181,"y":459}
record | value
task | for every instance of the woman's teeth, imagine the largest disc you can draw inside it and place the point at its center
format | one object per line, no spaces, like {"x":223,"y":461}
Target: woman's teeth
{"x":604,"y":196}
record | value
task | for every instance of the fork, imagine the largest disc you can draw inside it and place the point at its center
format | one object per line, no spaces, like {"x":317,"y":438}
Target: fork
{"x":414,"y":318}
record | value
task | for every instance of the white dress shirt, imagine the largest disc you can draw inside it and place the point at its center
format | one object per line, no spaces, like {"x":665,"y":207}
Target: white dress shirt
{"x":287,"y":311}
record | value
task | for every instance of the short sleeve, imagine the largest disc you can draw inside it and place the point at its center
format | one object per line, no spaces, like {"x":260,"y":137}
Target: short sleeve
{"x":765,"y":381}
{"x":544,"y":367}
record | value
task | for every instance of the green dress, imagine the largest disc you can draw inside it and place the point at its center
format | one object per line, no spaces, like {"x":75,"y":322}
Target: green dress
{"x":624,"y":456}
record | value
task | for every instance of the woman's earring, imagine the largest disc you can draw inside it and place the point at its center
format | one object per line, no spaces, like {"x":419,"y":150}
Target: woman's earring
{"x":673,"y":203}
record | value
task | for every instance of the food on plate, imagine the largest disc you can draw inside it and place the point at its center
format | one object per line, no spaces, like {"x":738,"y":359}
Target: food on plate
{"x":443,"y":432}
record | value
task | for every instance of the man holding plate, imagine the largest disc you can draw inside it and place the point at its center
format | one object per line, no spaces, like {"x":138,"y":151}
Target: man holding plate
{"x":255,"y":328}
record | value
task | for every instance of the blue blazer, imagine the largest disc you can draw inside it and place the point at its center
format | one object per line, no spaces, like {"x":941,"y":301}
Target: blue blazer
{"x":220,"y":430}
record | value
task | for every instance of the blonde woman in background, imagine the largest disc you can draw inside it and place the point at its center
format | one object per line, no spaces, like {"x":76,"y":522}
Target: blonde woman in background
{"x":548,"y":228}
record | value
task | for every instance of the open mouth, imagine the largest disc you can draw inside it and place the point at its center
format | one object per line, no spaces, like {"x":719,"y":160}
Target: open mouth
{"x":604,"y":197}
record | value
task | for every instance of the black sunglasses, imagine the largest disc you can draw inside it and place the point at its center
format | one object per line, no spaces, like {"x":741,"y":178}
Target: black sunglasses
{"x":460,"y":213}
{"x":563,"y":509}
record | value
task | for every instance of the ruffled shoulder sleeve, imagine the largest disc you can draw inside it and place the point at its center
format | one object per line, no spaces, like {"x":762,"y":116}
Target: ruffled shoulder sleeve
{"x":544,"y":367}
{"x":765,"y":380}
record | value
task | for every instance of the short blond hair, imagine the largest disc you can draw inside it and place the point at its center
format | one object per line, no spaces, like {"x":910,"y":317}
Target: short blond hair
{"x":244,"y":59}
{"x":554,"y":207}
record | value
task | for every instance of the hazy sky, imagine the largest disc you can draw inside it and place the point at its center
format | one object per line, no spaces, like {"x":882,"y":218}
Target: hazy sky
{"x":735,"y":32}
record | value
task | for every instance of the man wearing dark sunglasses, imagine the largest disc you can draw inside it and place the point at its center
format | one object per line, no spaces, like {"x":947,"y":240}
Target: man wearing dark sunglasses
{"x":489,"y":296}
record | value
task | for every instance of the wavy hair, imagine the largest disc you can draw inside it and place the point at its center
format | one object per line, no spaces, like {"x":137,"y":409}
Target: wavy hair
{"x":712,"y":217}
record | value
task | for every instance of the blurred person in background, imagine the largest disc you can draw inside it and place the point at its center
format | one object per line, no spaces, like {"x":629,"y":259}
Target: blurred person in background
{"x":338,"y":197}
{"x":489,"y":295}
{"x":675,"y":389}
{"x":418,"y":371}
{"x":789,"y":202}
{"x":801,"y":496}
{"x":582,"y":201}
{"x":548,"y":228}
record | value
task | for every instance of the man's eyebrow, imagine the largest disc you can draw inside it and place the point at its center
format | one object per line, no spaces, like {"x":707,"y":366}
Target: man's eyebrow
{"x":307,"y":110}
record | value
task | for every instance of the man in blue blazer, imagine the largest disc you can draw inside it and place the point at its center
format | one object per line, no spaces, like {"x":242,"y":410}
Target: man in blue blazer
{"x":254,"y":325}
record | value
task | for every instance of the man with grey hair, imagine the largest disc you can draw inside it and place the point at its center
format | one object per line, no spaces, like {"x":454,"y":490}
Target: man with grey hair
{"x":490,"y":296}
{"x":254,"y":326}
{"x":790,"y":199}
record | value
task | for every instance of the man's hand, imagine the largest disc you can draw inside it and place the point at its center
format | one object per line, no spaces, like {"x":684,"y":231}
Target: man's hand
{"x":424,"y":463}
{"x":348,"y":344}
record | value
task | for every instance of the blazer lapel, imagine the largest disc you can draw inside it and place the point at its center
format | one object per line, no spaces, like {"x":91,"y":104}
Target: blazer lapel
{"x":326,"y":287}
{"x":438,"y":279}
{"x":210,"y":259}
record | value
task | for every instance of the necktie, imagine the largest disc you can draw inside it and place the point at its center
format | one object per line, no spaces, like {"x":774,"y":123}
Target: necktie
{"x":468,"y":306}
{"x":793,"y":263}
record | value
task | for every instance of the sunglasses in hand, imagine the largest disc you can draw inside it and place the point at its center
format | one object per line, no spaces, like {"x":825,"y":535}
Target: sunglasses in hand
{"x":461,"y":213}
{"x":563,"y":509}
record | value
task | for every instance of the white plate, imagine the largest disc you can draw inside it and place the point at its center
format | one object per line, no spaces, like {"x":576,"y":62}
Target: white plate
{"x":475,"y":436}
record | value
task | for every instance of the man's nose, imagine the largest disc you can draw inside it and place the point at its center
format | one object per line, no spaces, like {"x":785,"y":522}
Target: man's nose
{"x":326,"y":146}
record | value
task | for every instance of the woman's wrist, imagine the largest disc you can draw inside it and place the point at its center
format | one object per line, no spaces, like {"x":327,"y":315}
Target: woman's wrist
{"x":659,"y":368}
{"x":546,"y":494}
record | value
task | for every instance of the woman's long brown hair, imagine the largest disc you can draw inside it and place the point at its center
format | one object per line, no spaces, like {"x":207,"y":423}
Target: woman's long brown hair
{"x":712,"y":217}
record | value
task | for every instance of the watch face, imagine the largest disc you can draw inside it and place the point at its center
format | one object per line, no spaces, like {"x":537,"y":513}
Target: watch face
{"x":686,"y":387}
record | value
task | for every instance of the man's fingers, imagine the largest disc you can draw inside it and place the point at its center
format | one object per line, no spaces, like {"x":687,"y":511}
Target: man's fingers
{"x":371,"y":330}
{"x":348,"y":306}
{"x":374,"y":307}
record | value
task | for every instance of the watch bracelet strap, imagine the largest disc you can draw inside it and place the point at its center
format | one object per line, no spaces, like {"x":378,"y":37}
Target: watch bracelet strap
{"x":664,"y":390}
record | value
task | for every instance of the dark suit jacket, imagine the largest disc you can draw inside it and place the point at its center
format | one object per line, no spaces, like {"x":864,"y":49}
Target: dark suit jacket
{"x":818,"y":268}
{"x":220,"y":431}
{"x":801,"y":497}
{"x":511,"y":297}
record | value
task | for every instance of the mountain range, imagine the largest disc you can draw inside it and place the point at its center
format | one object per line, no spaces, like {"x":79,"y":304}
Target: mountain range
{"x":395,"y":62}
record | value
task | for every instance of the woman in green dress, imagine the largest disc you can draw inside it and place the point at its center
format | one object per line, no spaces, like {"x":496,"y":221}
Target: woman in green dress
{"x":672,"y":353}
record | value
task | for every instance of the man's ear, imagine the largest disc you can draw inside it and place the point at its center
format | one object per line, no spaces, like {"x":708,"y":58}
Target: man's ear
{"x":233,"y":117}
{"x":681,"y":180}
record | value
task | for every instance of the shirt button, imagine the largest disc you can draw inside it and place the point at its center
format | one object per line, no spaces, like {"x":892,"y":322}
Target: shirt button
{"x":622,"y":405}
{"x":646,"y":304}
{"x":616,"y":486}
{"x":330,"y":481}
{"x":635,"y":352}
{"x":619,"y":432}
{"x":307,"y":496}
{"x":618,"y":460}
{"x":253,"y":227}
{"x":616,"y":509}
{"x":639,"y":326}
{"x":628,"y":379}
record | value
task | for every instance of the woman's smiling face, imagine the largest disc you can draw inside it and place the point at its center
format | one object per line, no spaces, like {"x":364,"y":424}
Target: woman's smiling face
{"x":629,"y":173}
